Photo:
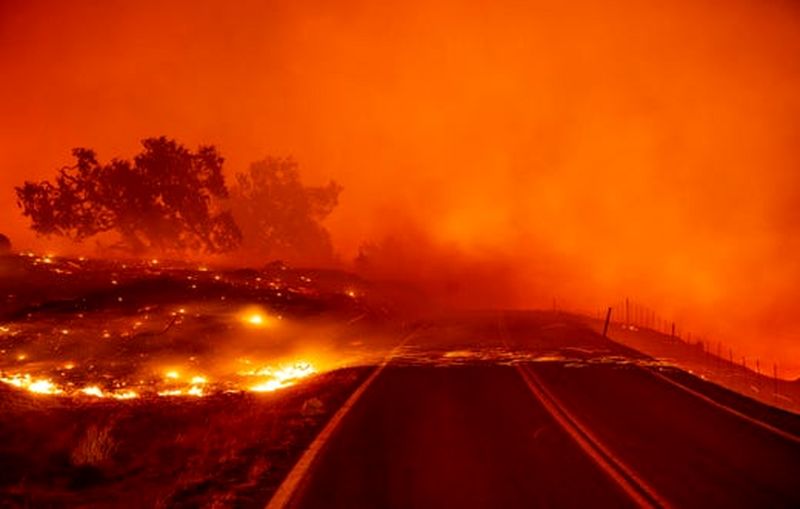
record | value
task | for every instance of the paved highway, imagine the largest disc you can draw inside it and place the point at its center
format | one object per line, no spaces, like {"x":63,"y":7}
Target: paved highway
{"x":531,"y":410}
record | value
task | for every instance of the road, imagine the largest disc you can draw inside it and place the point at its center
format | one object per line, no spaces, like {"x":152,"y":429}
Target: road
{"x":519,"y":410}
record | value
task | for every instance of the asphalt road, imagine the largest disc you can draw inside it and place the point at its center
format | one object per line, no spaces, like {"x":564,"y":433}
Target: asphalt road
{"x":457,"y":429}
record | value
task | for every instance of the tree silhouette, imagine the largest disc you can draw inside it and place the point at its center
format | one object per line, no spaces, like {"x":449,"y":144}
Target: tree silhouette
{"x":167,"y":199}
{"x":280,"y":217}
{"x":5,"y":244}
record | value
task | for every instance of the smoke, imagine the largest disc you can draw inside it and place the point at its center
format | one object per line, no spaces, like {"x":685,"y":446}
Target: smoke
{"x":499,"y":154}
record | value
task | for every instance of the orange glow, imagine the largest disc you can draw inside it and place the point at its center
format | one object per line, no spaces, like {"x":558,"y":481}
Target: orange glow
{"x":497,"y":154}
{"x":125,"y":395}
{"x":256,"y":317}
{"x":266,"y":378}
{"x":35,"y":385}
{"x":93,"y":390}
{"x":274,"y":379}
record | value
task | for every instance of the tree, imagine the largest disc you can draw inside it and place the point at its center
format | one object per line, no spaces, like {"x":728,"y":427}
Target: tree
{"x":167,"y":199}
{"x":5,"y":244}
{"x":280,"y":217}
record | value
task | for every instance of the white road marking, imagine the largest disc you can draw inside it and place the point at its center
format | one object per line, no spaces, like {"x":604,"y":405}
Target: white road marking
{"x":783,"y":434}
{"x":283,"y":495}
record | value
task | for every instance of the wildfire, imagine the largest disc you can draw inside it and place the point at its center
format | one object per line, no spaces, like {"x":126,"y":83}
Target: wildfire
{"x":280,"y":378}
{"x":38,"y":371}
{"x":256,"y":317}
{"x":195,"y":391}
{"x":125,"y":395}
{"x":93,"y":390}
{"x":36,"y":385}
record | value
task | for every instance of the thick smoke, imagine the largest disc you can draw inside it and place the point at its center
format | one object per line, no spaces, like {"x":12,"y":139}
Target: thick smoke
{"x":504,"y":153}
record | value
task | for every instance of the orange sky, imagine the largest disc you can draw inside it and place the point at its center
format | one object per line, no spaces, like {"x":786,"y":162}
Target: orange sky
{"x":585,"y":153}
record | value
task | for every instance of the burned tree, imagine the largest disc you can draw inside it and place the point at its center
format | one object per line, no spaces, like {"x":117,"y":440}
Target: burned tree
{"x":280,"y":217}
{"x":166,"y":199}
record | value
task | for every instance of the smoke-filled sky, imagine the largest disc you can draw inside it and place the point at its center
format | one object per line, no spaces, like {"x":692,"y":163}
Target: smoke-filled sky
{"x":512,"y":152}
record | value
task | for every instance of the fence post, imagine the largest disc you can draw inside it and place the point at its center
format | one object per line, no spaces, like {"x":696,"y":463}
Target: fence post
{"x":775,"y":377}
{"x":627,"y":313}
{"x":608,"y":319}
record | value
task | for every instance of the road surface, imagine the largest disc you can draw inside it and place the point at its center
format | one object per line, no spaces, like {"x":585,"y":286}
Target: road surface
{"x":518,"y":410}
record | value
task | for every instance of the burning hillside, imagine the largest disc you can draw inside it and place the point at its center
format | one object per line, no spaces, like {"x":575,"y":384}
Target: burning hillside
{"x":95,"y":330}
{"x":164,"y":382}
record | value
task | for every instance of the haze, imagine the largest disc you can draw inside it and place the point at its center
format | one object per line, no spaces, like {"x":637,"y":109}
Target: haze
{"x":511,"y":152}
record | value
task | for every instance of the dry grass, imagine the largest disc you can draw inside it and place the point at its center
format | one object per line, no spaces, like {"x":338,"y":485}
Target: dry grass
{"x":229,"y":450}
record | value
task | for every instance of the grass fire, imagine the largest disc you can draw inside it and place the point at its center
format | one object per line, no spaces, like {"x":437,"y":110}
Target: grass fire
{"x":347,"y":255}
{"x":113,"y":351}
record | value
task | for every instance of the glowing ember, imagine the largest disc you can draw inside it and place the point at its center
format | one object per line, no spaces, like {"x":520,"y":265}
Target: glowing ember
{"x":125,"y":395}
{"x":255,"y":319}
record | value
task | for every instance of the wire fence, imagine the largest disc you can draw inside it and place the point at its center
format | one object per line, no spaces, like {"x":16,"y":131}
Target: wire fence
{"x":633,"y":316}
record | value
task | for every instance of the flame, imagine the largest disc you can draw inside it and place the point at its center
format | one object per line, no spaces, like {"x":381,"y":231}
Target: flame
{"x":255,"y":319}
{"x":255,"y":316}
{"x":27,"y":382}
{"x":281,"y":378}
{"x":195,"y":390}
{"x":173,"y":383}
{"x":170,"y":392}
{"x":93,"y":390}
